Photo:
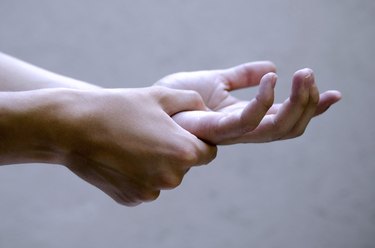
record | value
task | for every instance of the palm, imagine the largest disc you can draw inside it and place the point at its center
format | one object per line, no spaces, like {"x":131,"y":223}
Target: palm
{"x":229,"y":120}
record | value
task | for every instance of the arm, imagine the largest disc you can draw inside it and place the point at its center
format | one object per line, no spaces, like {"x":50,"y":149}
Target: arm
{"x":17,"y":75}
{"x":109,"y":137}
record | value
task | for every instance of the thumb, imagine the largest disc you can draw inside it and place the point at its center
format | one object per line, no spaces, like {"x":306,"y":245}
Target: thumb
{"x":174,"y":101}
{"x":202,"y":124}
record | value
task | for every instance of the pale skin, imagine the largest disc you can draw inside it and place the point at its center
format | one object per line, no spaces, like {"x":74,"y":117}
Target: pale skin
{"x":229,"y":120}
{"x":132,"y":143}
{"x":123,"y":141}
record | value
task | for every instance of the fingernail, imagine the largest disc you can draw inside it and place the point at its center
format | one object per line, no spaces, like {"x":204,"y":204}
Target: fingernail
{"x":307,"y":79}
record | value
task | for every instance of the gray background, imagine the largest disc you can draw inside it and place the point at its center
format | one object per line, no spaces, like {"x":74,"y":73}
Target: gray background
{"x":314,"y":191}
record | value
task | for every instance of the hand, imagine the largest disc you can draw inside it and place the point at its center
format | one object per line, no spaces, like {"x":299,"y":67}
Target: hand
{"x":229,"y":120}
{"x":124,"y":141}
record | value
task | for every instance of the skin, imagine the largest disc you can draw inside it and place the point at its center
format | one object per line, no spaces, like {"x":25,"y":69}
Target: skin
{"x":228,"y":120}
{"x":132,"y":152}
{"x":123,"y":141}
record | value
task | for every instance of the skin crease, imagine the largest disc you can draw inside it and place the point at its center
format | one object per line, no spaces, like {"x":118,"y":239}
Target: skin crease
{"x":132,"y":143}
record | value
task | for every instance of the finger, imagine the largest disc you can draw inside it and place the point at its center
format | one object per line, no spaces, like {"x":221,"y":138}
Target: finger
{"x":309,"y":113}
{"x":327,"y":99}
{"x":292,"y":110}
{"x":199,"y":123}
{"x":117,"y":185}
{"x":216,"y":127}
{"x":206,"y":152}
{"x":247,"y":75}
{"x":248,"y":119}
{"x":174,"y":101}
{"x":274,"y":127}
{"x":258,"y":107}
{"x":194,"y":149}
{"x":137,"y":196}
{"x":195,"y":152}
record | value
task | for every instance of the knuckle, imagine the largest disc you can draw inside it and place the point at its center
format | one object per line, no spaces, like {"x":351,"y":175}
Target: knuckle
{"x":149,"y":195}
{"x":162,"y":94}
{"x":159,"y":92}
{"x":299,"y":132}
{"x":196,"y":99}
{"x":170,"y":181}
{"x":137,"y":197}
{"x":213,"y":154}
{"x":126,"y":202}
{"x":195,"y":95}
{"x":186,"y":155}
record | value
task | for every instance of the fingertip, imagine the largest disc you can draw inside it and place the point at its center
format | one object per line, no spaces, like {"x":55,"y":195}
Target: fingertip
{"x":208,"y":152}
{"x":327,"y":99}
{"x":331,"y":96}
{"x":304,"y":71}
{"x":273,"y":79}
{"x":269,"y":79}
{"x":336,"y":94}
{"x":267,"y":86}
{"x":302,"y":81}
{"x":305,"y":75}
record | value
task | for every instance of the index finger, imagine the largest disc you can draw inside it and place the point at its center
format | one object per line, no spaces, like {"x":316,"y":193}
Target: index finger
{"x":206,"y":152}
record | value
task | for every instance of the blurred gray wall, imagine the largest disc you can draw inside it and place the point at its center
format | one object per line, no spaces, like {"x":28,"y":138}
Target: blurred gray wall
{"x":314,"y":191}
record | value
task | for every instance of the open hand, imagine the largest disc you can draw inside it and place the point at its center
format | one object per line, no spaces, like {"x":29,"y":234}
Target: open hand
{"x":229,"y":120}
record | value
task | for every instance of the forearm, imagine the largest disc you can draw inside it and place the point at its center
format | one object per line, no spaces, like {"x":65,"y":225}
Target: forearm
{"x":27,"y":126}
{"x":17,"y":75}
